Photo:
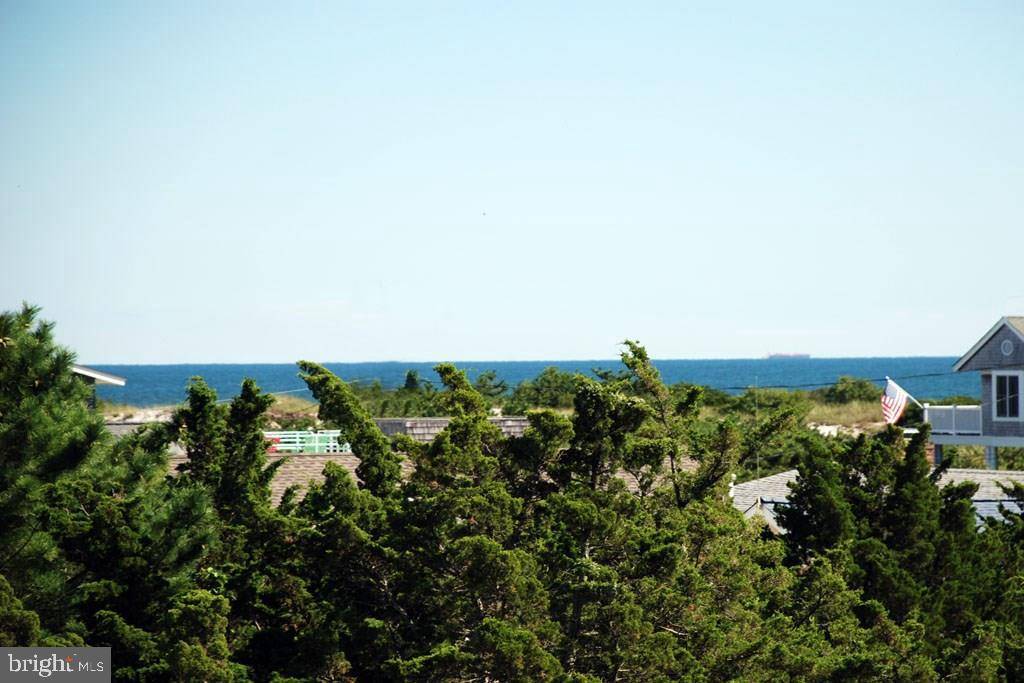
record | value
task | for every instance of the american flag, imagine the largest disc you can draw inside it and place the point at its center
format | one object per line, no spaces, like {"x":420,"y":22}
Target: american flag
{"x":894,"y":401}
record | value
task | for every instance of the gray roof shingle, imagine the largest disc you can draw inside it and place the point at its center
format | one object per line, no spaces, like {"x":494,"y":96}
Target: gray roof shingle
{"x":424,"y":429}
{"x":302,"y":468}
{"x":761,"y":496}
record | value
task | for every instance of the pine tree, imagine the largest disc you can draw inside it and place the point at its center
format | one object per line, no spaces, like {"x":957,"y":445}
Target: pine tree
{"x":492,"y":558}
{"x":379,"y":468}
{"x":19,"y":627}
{"x":255,"y":575}
{"x":47,"y":431}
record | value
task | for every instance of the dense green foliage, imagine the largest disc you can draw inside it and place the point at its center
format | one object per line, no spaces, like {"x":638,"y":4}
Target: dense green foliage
{"x":847,"y":389}
{"x":915,"y":553}
{"x":493,"y":558}
{"x":416,"y":398}
{"x":555,"y":389}
{"x":552,"y":388}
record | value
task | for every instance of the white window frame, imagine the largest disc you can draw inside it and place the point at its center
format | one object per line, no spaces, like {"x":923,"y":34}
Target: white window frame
{"x":1020,"y":395}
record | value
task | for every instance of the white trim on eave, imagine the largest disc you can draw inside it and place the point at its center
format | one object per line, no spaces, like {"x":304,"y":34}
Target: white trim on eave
{"x":98,"y":376}
{"x":984,"y":340}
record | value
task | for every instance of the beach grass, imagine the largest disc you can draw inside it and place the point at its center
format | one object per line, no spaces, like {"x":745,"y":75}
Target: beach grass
{"x":289,"y":409}
{"x":287,"y":403}
{"x":108,"y":409}
{"x":125,"y":412}
{"x":853,"y":414}
{"x":292,"y":412}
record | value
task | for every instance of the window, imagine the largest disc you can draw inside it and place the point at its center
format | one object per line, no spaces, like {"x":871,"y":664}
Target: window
{"x":1007,"y":396}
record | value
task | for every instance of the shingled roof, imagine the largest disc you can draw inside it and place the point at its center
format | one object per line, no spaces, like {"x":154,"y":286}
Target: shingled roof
{"x":762,"y":496}
{"x":1014,"y":323}
{"x":303,"y":468}
{"x":424,"y":429}
{"x":300,"y":469}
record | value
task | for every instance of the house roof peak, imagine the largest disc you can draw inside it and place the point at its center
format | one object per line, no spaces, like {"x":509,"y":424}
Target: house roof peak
{"x":1014,"y":323}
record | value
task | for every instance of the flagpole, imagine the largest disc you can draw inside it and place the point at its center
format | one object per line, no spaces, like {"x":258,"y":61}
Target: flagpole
{"x":887,"y":379}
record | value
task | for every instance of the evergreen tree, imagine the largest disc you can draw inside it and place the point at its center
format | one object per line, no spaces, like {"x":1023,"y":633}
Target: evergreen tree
{"x":489,"y":386}
{"x":911,"y":548}
{"x":46,"y":432}
{"x":19,"y":627}
{"x":597,"y":546}
{"x":379,"y":468}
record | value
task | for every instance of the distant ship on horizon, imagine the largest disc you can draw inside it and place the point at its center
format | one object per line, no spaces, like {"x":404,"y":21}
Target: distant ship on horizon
{"x":776,"y":356}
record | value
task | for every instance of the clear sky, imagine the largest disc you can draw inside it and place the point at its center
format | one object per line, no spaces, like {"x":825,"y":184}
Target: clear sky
{"x":202,"y":182}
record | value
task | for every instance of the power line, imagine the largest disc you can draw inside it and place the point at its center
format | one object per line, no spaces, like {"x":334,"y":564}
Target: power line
{"x":297,"y":391}
{"x":733,"y":388}
{"x":272,"y":393}
{"x":828,"y":384}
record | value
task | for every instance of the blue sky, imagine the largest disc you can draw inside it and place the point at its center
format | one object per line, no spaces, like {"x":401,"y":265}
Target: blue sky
{"x":347,"y":182}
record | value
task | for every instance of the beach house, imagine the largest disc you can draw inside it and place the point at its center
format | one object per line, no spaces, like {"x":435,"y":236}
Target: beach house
{"x":999,"y":421}
{"x":93,"y":377}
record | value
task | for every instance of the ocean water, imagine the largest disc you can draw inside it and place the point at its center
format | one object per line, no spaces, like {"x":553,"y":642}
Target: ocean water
{"x":931,"y":377}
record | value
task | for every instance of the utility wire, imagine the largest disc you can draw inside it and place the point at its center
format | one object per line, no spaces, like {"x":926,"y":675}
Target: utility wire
{"x":735,"y":388}
{"x":293,"y":391}
{"x":828,"y":384}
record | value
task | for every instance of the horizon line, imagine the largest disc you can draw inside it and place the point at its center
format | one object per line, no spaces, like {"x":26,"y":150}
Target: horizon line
{"x":532,"y":360}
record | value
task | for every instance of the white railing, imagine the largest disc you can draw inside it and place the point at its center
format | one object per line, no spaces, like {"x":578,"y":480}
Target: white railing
{"x":325,"y":441}
{"x":953,"y":419}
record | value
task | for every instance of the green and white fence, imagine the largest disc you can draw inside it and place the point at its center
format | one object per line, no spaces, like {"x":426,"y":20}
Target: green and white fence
{"x":325,"y":441}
